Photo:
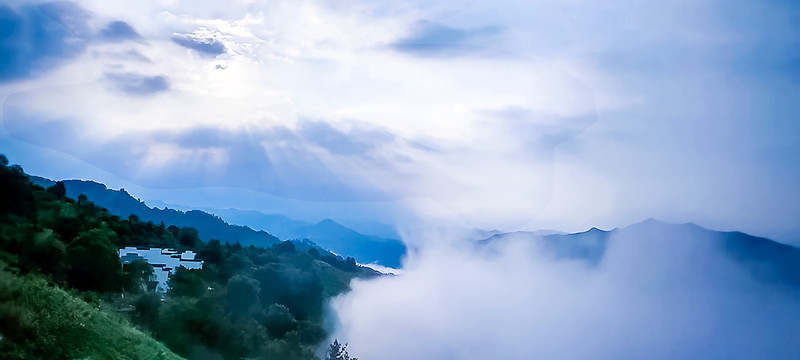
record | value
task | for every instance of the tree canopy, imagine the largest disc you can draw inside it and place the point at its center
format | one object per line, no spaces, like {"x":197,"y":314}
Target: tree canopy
{"x":246,"y":301}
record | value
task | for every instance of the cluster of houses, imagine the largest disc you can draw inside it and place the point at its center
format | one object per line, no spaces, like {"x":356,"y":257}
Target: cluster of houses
{"x":164,"y":261}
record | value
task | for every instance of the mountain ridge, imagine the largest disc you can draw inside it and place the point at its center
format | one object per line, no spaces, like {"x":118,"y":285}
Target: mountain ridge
{"x":326,"y":233}
{"x":765,"y":259}
{"x":255,"y":228}
{"x":120,"y":202}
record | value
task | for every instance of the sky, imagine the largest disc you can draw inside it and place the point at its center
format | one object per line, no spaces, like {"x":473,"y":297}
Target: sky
{"x":440,"y":118}
{"x":481,"y":114}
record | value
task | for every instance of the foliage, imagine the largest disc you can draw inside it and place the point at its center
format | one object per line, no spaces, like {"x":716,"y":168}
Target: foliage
{"x":146,"y":308}
{"x":136,"y":275}
{"x":188,"y":237}
{"x":93,"y":267}
{"x":246,"y":302}
{"x":39,"y":321}
{"x":185,"y":283}
{"x":337,"y":351}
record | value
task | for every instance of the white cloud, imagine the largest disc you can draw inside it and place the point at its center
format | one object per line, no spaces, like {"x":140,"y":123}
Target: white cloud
{"x":285,"y":62}
{"x":656,"y":294}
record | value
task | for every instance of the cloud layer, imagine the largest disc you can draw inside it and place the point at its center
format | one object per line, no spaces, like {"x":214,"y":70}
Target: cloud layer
{"x":494,"y":114}
{"x":658,"y":292}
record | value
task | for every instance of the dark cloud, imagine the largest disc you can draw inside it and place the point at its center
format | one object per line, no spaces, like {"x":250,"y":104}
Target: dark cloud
{"x":205,"y":46}
{"x":117,"y":31}
{"x":433,"y":39}
{"x":136,"y":84}
{"x":34,"y":40}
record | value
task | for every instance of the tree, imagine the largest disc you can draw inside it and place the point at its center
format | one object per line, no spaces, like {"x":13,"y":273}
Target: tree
{"x":350,"y":265}
{"x":279,"y":321}
{"x":185,"y":282}
{"x":284,"y":247}
{"x":59,"y":190}
{"x":311,"y":333}
{"x":47,"y":254}
{"x":235,"y":264}
{"x":337,"y":351}
{"x":95,"y":262}
{"x":212,"y":253}
{"x":173,"y":230}
{"x":189,"y":237}
{"x":146,"y":309}
{"x":135,"y":275}
{"x":242,"y":294}
{"x":16,"y":191}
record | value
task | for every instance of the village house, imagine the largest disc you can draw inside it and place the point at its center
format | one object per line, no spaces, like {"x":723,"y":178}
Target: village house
{"x":164,"y":262}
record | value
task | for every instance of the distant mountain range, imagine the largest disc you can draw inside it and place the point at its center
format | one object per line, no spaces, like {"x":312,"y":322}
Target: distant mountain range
{"x":327,"y":234}
{"x":120,"y":203}
{"x":764,"y":259}
{"x":691,"y":245}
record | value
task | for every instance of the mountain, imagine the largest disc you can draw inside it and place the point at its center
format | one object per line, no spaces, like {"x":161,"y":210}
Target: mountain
{"x":365,"y":248}
{"x":685,"y":248}
{"x":588,"y":246}
{"x":327,"y":234}
{"x":121,"y":203}
{"x":279,"y":225}
{"x":65,"y":294}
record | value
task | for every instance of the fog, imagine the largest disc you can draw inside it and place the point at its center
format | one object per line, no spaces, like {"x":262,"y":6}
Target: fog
{"x":658,"y":292}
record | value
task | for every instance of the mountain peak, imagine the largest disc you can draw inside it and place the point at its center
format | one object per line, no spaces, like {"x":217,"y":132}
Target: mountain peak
{"x":327,"y":221}
{"x":658,"y":224}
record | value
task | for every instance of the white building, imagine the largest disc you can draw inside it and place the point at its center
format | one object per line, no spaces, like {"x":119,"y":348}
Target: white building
{"x":164,"y":262}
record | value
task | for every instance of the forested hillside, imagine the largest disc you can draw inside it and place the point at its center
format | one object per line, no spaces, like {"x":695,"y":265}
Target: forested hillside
{"x":327,"y":233}
{"x":119,"y":202}
{"x":246,"y":302}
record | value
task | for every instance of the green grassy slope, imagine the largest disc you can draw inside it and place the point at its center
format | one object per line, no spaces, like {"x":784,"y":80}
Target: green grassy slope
{"x":41,"y":321}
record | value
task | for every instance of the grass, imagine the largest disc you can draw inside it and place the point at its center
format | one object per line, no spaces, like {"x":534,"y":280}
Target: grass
{"x":42,"y":321}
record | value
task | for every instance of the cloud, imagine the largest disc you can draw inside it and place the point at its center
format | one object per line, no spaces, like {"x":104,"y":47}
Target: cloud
{"x":357,"y":141}
{"x":543,"y":133}
{"x":132,"y":55}
{"x":73,"y":17}
{"x":434,"y":39}
{"x":118,"y":31}
{"x":136,"y":84}
{"x":658,"y":292}
{"x":36,"y":39}
{"x":203,"y":44}
{"x":370,"y":114}
{"x":277,"y":160}
{"x":583,"y":114}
